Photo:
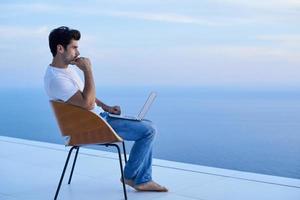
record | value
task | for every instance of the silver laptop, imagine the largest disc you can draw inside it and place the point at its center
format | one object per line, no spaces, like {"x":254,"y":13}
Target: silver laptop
{"x":143,"y":111}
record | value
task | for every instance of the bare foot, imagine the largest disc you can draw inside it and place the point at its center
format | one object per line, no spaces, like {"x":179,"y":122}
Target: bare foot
{"x":150,"y":186}
{"x":128,"y":182}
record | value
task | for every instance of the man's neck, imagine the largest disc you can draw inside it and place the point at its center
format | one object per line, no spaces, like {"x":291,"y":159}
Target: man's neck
{"x":58,"y":63}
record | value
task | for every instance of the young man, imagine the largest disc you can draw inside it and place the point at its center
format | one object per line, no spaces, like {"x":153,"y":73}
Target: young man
{"x":63,"y":83}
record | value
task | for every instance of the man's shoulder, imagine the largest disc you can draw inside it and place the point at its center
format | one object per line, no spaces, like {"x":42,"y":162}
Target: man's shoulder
{"x":52,"y":72}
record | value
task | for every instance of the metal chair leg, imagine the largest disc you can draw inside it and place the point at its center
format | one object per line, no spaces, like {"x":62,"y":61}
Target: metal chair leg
{"x":74,"y":162}
{"x":124,"y":151}
{"x":63,"y":172}
{"x":121,"y":168}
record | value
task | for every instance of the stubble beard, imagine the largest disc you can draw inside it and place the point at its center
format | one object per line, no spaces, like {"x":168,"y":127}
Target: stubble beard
{"x":69,"y":60}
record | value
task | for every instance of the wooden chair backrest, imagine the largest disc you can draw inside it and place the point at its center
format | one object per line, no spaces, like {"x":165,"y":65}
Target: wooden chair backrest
{"x":82,"y":126}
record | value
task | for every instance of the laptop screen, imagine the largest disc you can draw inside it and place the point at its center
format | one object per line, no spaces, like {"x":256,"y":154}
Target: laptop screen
{"x":147,"y":105}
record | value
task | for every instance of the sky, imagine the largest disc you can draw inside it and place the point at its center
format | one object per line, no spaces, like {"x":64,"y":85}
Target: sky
{"x":152,"y":42}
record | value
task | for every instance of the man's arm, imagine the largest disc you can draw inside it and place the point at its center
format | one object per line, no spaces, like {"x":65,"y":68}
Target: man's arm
{"x":103,"y":105}
{"x":111,"y":109}
{"x":86,"y":98}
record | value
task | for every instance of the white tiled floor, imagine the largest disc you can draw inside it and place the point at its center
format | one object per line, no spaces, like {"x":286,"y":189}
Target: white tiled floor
{"x":30,"y":170}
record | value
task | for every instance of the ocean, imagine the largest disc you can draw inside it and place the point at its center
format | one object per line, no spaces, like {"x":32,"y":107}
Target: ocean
{"x":253,"y":130}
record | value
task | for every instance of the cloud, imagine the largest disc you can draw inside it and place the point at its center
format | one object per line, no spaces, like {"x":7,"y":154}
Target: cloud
{"x":219,"y":42}
{"x":241,"y":53}
{"x":285,"y":39}
{"x":87,"y":10}
{"x":213,"y":21}
{"x":261,"y":12}
{"x":31,"y":8}
{"x":211,"y":64}
{"x":162,"y":17}
{"x":264,"y":4}
{"x":15,"y":32}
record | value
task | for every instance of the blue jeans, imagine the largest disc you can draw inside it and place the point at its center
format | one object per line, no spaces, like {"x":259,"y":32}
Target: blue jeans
{"x":139,"y":165}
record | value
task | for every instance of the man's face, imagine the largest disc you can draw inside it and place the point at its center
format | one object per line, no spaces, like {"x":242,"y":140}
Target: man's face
{"x":71,"y":53}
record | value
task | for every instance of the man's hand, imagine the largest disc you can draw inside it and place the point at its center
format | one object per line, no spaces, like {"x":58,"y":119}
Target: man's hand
{"x":111,"y":109}
{"x":115,"y":110}
{"x":82,"y":63}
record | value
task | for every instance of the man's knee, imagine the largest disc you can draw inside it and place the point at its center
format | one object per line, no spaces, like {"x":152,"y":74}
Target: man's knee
{"x":151,"y":129}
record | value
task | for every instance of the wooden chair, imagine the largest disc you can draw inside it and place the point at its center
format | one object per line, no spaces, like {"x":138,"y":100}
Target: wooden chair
{"x":83,"y":127}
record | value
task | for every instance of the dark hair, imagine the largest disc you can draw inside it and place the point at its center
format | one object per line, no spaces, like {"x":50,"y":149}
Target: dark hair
{"x":63,"y":36}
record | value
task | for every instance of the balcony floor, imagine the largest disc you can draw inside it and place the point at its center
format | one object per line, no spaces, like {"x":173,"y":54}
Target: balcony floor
{"x":30,"y":170}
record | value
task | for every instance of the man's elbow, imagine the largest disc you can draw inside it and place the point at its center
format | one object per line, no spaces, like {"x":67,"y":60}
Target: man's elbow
{"x":80,"y":100}
{"x":89,"y":105}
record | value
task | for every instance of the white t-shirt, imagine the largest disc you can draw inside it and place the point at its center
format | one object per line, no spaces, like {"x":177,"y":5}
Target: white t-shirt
{"x":63,"y":83}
